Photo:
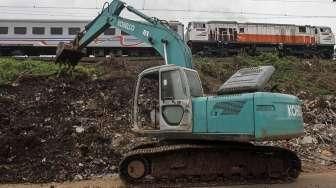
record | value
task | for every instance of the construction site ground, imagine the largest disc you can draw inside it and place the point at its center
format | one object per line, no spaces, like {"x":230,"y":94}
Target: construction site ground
{"x":306,"y":180}
{"x":74,"y":128}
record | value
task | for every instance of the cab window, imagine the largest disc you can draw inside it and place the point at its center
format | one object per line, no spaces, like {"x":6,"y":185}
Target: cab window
{"x":172,"y":87}
{"x":194,"y":83}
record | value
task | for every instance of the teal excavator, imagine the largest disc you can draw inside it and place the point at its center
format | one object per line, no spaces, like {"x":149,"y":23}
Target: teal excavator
{"x":199,"y":140}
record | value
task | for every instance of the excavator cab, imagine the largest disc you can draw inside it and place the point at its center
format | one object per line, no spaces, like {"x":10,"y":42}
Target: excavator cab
{"x":171,"y":109}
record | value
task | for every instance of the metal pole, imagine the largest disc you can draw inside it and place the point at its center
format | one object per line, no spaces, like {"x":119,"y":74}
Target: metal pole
{"x":143,"y":5}
{"x":165,"y":52}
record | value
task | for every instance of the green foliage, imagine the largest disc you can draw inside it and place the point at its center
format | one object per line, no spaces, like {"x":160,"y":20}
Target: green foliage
{"x":292,"y":74}
{"x":11,"y":69}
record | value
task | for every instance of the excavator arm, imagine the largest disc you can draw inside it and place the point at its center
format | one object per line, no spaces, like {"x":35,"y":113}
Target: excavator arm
{"x":151,"y":31}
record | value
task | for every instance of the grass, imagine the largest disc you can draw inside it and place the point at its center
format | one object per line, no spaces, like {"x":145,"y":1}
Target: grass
{"x":11,"y":69}
{"x":292,"y":74}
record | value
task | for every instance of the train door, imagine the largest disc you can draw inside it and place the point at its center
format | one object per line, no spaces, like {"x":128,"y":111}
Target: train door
{"x":317,"y":35}
{"x":228,"y":34}
{"x":147,"y":101}
{"x":222,"y":35}
{"x":283,"y":35}
{"x":292,"y":35}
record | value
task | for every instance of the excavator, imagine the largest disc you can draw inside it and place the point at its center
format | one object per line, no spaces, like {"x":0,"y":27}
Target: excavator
{"x":198,"y":139}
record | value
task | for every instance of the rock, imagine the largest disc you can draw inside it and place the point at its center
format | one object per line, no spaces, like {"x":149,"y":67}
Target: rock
{"x":78,"y":177}
{"x":327,"y":153}
{"x":307,"y":140}
{"x":113,"y":168}
{"x":79,"y":129}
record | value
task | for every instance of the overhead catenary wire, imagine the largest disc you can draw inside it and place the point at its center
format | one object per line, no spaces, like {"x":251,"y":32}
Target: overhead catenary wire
{"x":61,"y":11}
{"x":295,"y":1}
{"x":181,"y":10}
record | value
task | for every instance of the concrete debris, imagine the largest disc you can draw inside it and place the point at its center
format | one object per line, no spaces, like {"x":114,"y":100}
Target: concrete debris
{"x":308,"y":140}
{"x":78,"y":177}
{"x":318,"y":145}
{"x":79,"y":129}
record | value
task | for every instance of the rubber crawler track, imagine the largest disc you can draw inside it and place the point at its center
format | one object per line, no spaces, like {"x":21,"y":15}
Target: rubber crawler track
{"x":209,"y":164}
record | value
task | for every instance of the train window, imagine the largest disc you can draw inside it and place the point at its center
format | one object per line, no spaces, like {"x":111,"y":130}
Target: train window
{"x":173,"y":27}
{"x":38,"y":30}
{"x":302,"y":29}
{"x":241,"y":30}
{"x":325,"y":30}
{"x":199,"y":25}
{"x":73,"y":30}
{"x":20,"y":30}
{"x":124,"y":33}
{"x":3,"y":30}
{"x":56,"y":30}
{"x":110,"y":31}
{"x":316,"y":31}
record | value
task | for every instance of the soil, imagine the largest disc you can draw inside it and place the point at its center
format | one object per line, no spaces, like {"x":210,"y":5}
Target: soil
{"x":311,"y":180}
{"x":59,"y":129}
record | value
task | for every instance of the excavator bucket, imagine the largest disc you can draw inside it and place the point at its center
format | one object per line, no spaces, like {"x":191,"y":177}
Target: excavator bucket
{"x":66,"y":54}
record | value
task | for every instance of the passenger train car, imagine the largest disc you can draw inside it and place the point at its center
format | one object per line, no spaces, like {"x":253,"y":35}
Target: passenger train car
{"x":227,"y":38}
{"x":40,"y":37}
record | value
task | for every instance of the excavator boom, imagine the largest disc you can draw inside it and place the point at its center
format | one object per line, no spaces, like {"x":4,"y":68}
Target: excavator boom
{"x":151,"y":31}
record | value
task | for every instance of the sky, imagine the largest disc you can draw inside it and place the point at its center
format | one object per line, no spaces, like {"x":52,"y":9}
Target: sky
{"x":300,"y":12}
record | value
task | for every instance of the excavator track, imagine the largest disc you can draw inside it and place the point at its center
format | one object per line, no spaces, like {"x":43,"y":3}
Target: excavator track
{"x":207,"y":164}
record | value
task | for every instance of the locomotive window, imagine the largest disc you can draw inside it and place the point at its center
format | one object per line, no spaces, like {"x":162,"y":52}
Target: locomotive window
{"x":20,"y":30}
{"x":3,"y":30}
{"x":110,"y":31}
{"x":124,"y":33}
{"x":325,"y":30}
{"x":73,"y":30}
{"x":173,"y":27}
{"x":56,"y":30}
{"x":241,"y":30}
{"x":199,"y":25}
{"x":302,"y":29}
{"x":38,"y":30}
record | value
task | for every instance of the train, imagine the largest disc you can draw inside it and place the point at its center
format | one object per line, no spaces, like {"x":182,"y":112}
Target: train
{"x":213,"y":38}
{"x":225,"y":38}
{"x":41,"y":37}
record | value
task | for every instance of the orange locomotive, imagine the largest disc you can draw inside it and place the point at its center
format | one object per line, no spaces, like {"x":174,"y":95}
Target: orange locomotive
{"x":227,"y":38}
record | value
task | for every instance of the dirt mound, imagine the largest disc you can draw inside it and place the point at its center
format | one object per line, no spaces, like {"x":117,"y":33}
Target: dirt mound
{"x":55,"y":129}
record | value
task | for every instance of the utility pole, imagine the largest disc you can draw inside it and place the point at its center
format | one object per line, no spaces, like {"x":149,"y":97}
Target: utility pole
{"x":143,"y":5}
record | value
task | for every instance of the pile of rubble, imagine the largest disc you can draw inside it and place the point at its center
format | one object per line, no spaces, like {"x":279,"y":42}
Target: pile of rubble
{"x":319,"y":142}
{"x":317,"y":148}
